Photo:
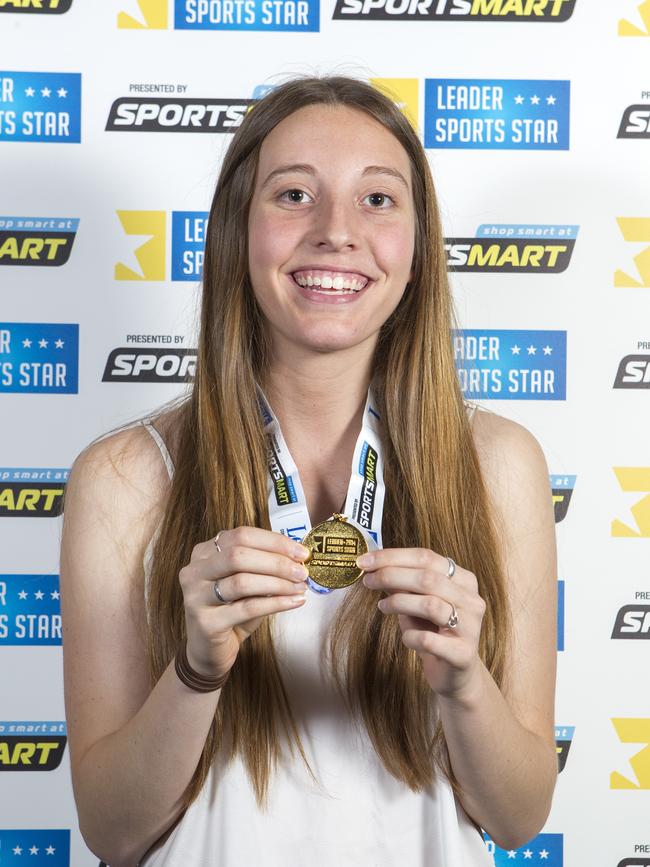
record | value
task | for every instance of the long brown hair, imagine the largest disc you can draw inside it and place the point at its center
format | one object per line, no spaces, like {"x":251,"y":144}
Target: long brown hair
{"x":435,"y":497}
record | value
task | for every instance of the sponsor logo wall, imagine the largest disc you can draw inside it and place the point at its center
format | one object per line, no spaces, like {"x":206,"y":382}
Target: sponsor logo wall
{"x":535,"y":115}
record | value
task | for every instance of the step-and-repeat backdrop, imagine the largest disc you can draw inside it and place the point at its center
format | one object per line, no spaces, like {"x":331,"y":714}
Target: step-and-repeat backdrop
{"x":535,"y":114}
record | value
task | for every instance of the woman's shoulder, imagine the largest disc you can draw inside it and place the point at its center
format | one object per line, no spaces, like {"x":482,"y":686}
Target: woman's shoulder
{"x":135,"y":456}
{"x":510,"y":455}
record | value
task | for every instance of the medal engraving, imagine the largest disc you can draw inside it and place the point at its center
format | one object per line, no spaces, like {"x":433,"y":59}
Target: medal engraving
{"x":334,"y":545}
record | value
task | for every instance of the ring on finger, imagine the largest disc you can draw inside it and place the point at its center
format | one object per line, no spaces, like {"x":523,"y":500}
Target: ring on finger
{"x":217,"y":593}
{"x":216,"y":540}
{"x":452,"y":568}
{"x":453,"y":621}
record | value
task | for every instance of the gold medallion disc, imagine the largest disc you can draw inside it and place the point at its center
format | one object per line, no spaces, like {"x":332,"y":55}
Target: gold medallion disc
{"x":335,"y":545}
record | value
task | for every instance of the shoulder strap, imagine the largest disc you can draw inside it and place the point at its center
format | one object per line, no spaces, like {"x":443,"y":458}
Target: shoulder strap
{"x":164,"y":451}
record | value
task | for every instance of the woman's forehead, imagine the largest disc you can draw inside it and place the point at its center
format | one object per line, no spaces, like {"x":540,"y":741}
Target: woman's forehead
{"x":320,"y":135}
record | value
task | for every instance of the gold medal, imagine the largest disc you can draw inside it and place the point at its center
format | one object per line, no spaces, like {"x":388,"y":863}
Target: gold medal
{"x":334,"y":545}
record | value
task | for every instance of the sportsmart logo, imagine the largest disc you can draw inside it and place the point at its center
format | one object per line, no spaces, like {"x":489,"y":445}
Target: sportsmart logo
{"x":636,"y":230}
{"x":563,"y":741}
{"x":283,"y":484}
{"x":633,"y":621}
{"x":508,"y":249}
{"x":32,"y":746}
{"x":628,"y":28}
{"x":147,"y":260}
{"x":43,"y":241}
{"x":633,"y":731}
{"x":271,"y":15}
{"x":634,"y":480}
{"x":455,"y":10}
{"x":127,"y":364}
{"x":32,"y":492}
{"x":562,"y":488}
{"x":634,"y":370}
{"x":635,"y":122}
{"x":177,"y":114}
{"x":36,"y":7}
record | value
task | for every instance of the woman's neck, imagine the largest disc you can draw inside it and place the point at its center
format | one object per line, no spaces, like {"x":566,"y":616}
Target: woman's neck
{"x":321,"y":396}
{"x":319,"y":401}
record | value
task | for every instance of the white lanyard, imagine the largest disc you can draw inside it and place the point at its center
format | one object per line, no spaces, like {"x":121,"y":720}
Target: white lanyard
{"x":364,"y":504}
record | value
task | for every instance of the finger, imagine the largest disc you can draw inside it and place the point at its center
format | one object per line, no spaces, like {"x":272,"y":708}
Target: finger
{"x":254,"y":537}
{"x":444,"y":646}
{"x":433,"y":609}
{"x":244,"y":584}
{"x":230,"y":561}
{"x":392,"y":579}
{"x":414,"y":558}
{"x":228,"y":616}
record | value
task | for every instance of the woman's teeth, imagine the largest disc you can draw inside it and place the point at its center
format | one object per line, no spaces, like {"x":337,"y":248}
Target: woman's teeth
{"x":326,"y":284}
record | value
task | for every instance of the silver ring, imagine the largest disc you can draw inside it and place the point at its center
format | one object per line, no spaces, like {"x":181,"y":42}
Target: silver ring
{"x":453,"y":621}
{"x":216,"y":540}
{"x":452,"y":568}
{"x":217,"y":593}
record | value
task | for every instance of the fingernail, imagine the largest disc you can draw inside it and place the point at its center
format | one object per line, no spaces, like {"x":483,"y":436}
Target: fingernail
{"x":297,"y":600}
{"x":365,"y":561}
{"x":298,"y":571}
{"x":300,"y":552}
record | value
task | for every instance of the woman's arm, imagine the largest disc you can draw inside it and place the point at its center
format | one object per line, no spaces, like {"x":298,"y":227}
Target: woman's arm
{"x":501,"y":744}
{"x":133,"y":751}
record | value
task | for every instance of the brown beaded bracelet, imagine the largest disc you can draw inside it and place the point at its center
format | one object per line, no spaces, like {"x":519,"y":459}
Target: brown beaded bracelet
{"x":191,"y":678}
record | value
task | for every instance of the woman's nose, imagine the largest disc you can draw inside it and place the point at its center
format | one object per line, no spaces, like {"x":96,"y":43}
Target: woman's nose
{"x":335,"y":225}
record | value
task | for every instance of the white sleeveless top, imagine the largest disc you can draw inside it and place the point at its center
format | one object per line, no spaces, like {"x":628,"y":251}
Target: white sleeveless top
{"x":359,"y":815}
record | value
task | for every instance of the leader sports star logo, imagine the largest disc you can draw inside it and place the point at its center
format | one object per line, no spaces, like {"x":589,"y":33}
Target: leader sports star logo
{"x":511,"y":364}
{"x":40,"y":106}
{"x":502,"y":114}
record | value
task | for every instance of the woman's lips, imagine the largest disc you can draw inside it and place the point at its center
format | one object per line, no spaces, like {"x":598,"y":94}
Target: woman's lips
{"x":330,"y":278}
{"x":329,"y":296}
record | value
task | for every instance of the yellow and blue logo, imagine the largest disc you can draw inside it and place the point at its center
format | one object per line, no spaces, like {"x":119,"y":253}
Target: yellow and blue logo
{"x":271,"y":15}
{"x":147,"y":231}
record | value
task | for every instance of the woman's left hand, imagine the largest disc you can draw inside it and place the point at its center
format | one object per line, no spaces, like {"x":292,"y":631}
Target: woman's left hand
{"x":422,"y":595}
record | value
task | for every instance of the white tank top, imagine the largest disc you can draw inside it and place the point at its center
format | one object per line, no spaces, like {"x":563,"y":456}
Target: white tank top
{"x":359,"y":815}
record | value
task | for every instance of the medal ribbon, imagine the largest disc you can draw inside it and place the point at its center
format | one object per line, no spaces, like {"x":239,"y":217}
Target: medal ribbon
{"x":364,"y":503}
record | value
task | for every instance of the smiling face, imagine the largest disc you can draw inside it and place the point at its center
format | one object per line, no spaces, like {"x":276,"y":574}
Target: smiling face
{"x":331,"y":228}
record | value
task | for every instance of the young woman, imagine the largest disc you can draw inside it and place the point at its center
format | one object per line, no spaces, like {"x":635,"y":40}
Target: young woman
{"x":221,"y":710}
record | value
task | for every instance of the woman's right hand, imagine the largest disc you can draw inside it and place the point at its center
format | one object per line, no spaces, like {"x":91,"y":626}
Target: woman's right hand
{"x":259,"y":572}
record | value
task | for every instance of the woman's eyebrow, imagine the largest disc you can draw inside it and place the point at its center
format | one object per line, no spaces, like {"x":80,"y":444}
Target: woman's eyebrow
{"x":310,"y":170}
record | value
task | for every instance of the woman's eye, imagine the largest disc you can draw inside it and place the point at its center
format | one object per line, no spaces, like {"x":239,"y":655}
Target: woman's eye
{"x":294,"y":196}
{"x":379,"y":200}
